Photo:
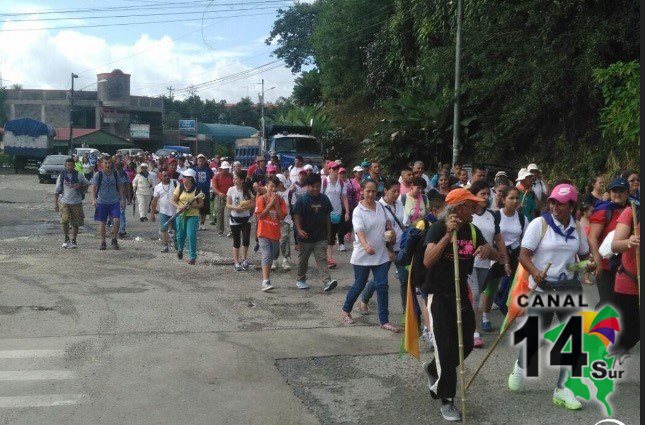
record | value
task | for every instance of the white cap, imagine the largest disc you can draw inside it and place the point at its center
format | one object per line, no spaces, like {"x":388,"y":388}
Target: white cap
{"x":237,"y":164}
{"x":282,"y":179}
{"x":189,"y":173}
{"x":357,"y":169}
{"x":532,"y":167}
{"x":500,"y":174}
{"x":225,"y":165}
{"x":201,"y":155}
{"x":522,"y":174}
{"x":308,"y":167}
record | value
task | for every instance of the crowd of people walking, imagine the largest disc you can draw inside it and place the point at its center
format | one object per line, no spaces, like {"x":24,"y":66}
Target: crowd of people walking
{"x":546,"y":226}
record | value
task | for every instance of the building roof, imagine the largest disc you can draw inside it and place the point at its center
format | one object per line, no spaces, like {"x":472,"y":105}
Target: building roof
{"x":62,"y":133}
{"x":93,"y":138}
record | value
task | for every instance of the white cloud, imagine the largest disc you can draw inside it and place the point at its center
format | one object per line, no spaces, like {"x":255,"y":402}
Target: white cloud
{"x":45,"y":59}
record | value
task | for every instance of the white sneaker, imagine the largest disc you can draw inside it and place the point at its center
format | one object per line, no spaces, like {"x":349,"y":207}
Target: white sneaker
{"x":65,"y":244}
{"x":245,"y":264}
{"x":72,"y":245}
{"x":301,"y":284}
{"x":342,"y":248}
{"x":516,"y":379}
{"x":238,"y":267}
{"x":201,"y":227}
{"x":266,"y":285}
{"x":285,"y":264}
{"x":427,"y":337}
{"x":564,"y":397}
{"x":274,"y":265}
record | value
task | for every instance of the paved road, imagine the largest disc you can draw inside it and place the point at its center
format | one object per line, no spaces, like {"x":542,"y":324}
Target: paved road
{"x":134,"y":336}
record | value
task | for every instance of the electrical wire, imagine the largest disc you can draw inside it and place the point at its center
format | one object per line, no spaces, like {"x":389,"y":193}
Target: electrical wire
{"x":173,"y":5}
{"x":148,"y":14}
{"x":130,"y":23}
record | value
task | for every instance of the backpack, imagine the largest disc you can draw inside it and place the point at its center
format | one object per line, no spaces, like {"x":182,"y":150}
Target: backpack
{"x":415,"y":250}
{"x":325,"y":182}
{"x":413,"y":237}
{"x":498,"y":219}
{"x":83,"y":190}
{"x":100,"y":179}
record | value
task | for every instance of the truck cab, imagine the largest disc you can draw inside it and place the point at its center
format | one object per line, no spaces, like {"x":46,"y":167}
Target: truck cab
{"x":287,"y":142}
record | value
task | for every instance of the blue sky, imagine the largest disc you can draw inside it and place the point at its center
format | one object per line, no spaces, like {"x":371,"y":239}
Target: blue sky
{"x":157,"y":54}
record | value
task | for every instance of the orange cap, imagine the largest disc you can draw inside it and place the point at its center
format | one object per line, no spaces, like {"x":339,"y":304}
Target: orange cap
{"x":460,"y":195}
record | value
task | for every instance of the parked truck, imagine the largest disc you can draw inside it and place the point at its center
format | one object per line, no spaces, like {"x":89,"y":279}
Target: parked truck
{"x":28,"y":141}
{"x":285,"y":141}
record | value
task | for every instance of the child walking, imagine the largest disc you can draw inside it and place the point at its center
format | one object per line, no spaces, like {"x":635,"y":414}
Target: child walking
{"x":270,"y":210}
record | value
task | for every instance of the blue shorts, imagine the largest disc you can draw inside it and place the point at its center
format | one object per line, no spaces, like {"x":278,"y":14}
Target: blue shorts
{"x":105,"y":211}
{"x":164,"y":224}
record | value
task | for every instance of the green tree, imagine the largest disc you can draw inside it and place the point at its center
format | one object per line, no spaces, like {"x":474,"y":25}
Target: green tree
{"x":620,"y":117}
{"x":306,"y":89}
{"x":292,"y":31}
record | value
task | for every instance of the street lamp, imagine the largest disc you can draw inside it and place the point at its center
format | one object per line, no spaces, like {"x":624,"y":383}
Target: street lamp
{"x":263,"y":140}
{"x":71,"y":110}
{"x":456,"y":111}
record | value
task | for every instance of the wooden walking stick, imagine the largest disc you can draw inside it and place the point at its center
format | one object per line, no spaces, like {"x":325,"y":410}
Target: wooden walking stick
{"x":500,"y":336}
{"x":460,"y":333}
{"x":638,"y":252}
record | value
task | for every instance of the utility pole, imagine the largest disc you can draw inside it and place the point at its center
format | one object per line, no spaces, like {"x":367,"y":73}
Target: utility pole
{"x":263,"y":139}
{"x":71,"y":115}
{"x":456,"y":112}
{"x":170,"y":89}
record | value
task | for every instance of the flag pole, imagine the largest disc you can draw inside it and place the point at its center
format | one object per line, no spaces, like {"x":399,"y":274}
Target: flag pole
{"x":500,"y":336}
{"x":460,"y":333}
{"x":638,"y":253}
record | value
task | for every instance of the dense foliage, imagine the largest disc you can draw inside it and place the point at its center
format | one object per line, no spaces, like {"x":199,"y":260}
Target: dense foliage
{"x":541,"y":80}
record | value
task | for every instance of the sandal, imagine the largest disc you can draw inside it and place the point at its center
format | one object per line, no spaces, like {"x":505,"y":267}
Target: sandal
{"x":347,"y":318}
{"x":363,"y":308}
{"x":390,"y":327}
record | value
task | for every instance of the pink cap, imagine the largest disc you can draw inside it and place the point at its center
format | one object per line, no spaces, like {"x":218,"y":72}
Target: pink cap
{"x":564,"y":193}
{"x":333,"y":164}
{"x":272,"y":169}
{"x":342,"y":170}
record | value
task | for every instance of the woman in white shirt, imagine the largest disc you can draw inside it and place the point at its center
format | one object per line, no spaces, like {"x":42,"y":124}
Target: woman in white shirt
{"x":554,"y":239}
{"x":240,"y":202}
{"x":485,"y":221}
{"x":370,"y":254}
{"x":285,"y":225}
{"x":511,"y":227}
{"x":394,"y":209}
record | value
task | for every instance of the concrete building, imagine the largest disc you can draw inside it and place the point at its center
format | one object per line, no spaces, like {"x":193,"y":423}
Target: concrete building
{"x":110,"y":108}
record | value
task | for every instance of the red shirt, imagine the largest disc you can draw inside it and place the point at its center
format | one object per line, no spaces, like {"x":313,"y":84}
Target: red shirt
{"x":222,"y":182}
{"x":624,"y":285}
{"x":600,"y":217}
{"x":251,"y":169}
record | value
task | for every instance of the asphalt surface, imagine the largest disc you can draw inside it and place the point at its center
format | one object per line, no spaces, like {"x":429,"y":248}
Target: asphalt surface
{"x":135,"y":336}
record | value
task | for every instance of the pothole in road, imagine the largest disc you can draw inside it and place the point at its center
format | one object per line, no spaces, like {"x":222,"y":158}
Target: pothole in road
{"x":366,"y":389}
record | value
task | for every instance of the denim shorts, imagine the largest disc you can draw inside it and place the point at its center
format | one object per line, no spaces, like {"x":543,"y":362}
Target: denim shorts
{"x":105,"y":211}
{"x":270,"y":250}
{"x":164,"y":224}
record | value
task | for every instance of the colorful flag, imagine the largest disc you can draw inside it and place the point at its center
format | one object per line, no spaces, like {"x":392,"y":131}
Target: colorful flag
{"x":519,"y":286}
{"x":410,"y":341}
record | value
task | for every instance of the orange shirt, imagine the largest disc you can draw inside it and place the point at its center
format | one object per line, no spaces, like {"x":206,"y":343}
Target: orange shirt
{"x":269,"y":225}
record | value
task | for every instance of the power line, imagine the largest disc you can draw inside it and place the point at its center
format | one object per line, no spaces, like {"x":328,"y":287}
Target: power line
{"x":151,"y":14}
{"x":174,"y":5}
{"x":131,"y":23}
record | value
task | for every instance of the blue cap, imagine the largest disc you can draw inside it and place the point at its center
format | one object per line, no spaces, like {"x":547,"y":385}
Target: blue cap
{"x":619,"y":183}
